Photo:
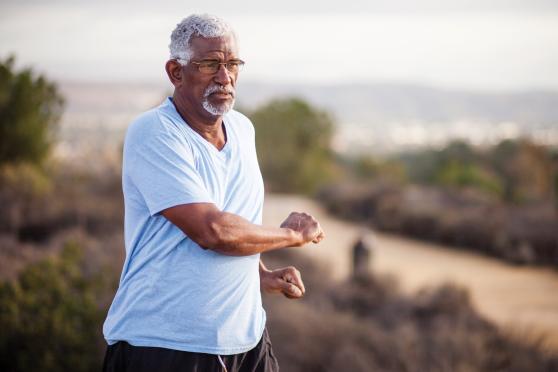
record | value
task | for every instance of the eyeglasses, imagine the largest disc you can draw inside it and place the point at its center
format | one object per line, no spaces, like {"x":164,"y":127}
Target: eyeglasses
{"x":211,"y":66}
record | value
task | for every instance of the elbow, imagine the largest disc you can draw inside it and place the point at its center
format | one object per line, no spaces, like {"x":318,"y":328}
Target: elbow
{"x":215,"y":237}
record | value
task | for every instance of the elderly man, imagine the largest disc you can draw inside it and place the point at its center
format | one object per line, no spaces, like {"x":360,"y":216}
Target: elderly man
{"x":189,"y":295}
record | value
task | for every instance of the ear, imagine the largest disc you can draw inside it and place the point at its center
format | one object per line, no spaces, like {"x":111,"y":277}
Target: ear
{"x":174,"y":72}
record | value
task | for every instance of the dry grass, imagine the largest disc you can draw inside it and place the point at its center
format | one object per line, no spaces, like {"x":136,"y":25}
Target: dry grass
{"x":358,"y":325}
{"x":366,"y":324}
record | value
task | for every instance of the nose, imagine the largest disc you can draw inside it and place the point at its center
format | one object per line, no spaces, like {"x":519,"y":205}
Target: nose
{"x":223,"y":76}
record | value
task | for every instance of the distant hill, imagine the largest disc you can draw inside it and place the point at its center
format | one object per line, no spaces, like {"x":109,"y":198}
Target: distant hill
{"x":371,"y":117}
{"x":405,"y":102}
{"x":386,"y":118}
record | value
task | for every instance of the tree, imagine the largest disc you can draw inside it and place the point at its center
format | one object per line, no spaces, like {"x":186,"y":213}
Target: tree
{"x":472,"y":175}
{"x":525,"y":168}
{"x":30,"y":107}
{"x":293,"y":143}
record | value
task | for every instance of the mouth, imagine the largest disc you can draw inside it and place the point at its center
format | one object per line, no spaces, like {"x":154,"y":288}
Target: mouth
{"x":218,"y":92}
{"x":222,"y":95}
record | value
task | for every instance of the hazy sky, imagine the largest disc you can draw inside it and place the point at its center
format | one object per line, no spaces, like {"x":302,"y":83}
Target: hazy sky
{"x":472,"y":44}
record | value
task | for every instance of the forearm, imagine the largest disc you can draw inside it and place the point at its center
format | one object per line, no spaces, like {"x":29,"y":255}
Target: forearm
{"x":233,"y":235}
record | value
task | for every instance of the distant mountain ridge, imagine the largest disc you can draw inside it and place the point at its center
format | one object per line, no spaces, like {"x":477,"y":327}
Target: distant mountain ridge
{"x":349,"y":102}
{"x":404,"y":102}
{"x":379,"y":118}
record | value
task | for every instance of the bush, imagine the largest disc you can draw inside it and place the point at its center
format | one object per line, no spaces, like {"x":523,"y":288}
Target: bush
{"x":521,"y":234}
{"x":30,"y":107}
{"x":49,"y":317}
{"x":366,"y":324}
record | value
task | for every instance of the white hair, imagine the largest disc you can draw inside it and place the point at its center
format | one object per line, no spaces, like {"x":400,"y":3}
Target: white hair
{"x":204,"y":25}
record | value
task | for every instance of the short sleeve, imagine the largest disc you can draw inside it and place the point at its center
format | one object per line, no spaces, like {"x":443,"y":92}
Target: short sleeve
{"x":163,"y":171}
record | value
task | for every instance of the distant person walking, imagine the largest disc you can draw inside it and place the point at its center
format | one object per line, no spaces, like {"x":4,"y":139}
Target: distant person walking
{"x":361,"y":257}
{"x":189,"y":294}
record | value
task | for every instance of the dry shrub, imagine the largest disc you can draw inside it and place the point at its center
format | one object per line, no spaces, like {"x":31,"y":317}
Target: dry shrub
{"x":521,"y":234}
{"x":359,"y":325}
{"x":366,"y":324}
{"x":75,"y":205}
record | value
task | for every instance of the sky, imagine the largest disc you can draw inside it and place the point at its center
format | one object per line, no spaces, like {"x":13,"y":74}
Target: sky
{"x":463,"y":44}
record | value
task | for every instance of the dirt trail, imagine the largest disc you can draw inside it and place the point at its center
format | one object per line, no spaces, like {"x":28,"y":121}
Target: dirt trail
{"x":517,"y":298}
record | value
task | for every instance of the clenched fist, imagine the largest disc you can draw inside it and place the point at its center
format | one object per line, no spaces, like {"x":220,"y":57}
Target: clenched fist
{"x":286,"y":280}
{"x":308,"y":227}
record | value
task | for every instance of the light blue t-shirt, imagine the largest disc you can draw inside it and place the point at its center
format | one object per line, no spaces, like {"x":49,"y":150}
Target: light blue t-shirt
{"x":173,"y":293}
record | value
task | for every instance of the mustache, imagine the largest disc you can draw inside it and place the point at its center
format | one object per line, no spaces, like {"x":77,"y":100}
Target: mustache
{"x":218,"y":89}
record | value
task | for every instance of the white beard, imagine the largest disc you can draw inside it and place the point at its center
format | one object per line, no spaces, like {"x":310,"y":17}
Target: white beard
{"x":220,"y":109}
{"x":217,"y":110}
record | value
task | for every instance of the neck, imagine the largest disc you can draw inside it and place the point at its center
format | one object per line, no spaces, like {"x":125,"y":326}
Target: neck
{"x":210,"y":127}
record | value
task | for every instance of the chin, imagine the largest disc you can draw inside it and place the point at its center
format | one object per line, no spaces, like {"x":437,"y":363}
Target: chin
{"x":217,"y":110}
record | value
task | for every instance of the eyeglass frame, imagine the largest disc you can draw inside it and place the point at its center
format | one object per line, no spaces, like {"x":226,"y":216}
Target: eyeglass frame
{"x":240,"y":62}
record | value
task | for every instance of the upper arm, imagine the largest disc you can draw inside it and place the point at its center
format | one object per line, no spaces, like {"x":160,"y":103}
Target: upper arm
{"x":163,"y":170}
{"x":195,"y":220}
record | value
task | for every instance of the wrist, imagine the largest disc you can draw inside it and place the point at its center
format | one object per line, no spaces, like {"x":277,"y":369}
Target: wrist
{"x":265,"y":279}
{"x":295,"y":237}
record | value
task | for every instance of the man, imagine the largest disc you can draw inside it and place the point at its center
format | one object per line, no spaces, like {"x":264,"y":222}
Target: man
{"x":189,"y":295}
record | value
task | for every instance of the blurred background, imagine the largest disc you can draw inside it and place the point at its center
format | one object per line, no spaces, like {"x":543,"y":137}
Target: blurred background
{"x":423,"y":135}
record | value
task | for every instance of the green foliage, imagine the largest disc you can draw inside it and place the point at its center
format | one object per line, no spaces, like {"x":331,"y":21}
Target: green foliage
{"x":22,"y":187}
{"x":369,"y":168}
{"x":25,"y":180}
{"x":424,"y":166}
{"x":514,"y":171}
{"x":293,"y":143}
{"x":456,"y":174}
{"x":526,"y":170}
{"x":49,"y":317}
{"x":30,"y":107}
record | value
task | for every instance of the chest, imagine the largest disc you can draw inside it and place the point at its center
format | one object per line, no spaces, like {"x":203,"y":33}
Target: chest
{"x":231,"y":176}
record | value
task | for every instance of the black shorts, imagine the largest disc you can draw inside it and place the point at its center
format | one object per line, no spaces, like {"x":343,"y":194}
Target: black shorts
{"x":123,"y":357}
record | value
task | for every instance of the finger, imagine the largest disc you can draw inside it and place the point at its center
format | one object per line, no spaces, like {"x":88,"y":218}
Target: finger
{"x":292,"y":275}
{"x":319,"y":237}
{"x":290,"y":290}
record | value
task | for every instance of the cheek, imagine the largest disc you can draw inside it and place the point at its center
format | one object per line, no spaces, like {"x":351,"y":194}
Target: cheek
{"x":196,"y":84}
{"x":201,"y":86}
{"x":196,"y":91}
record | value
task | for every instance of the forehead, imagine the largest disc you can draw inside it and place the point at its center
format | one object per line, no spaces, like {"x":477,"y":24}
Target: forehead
{"x":214,"y":46}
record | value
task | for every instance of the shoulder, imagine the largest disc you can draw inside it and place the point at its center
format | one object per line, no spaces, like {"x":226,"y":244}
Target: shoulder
{"x":146,"y":124}
{"x":241,"y":123}
{"x":156,"y":134}
{"x":157,"y":123}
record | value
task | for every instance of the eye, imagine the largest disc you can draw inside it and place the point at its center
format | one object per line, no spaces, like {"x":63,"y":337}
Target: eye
{"x":234,"y":65}
{"x":209,"y":64}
